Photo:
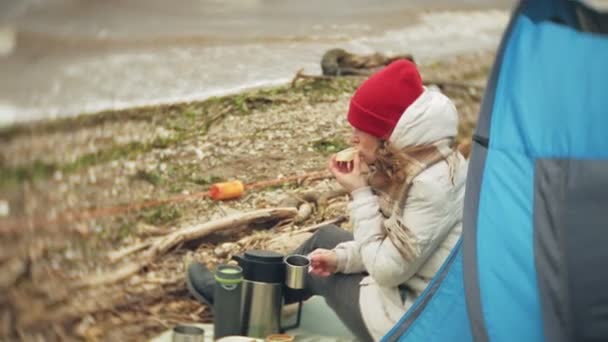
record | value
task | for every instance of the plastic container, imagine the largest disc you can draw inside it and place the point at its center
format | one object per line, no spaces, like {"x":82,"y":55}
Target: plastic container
{"x":227,"y":190}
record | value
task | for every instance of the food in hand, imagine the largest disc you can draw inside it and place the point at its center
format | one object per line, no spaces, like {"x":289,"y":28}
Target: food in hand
{"x":346,"y":155}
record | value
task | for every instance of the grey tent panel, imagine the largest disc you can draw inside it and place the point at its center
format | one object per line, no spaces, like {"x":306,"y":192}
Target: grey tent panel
{"x":571,"y":247}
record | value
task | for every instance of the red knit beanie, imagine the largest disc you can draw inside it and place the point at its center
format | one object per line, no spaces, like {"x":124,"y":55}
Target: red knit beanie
{"x":381,"y":100}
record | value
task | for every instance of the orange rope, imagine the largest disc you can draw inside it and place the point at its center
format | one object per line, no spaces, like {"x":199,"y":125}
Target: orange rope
{"x":71,"y":216}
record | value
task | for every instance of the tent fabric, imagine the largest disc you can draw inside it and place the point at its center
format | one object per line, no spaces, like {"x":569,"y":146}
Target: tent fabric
{"x":570,"y":215}
{"x":442,"y":301}
{"x":542,"y":110}
{"x":541,"y":127}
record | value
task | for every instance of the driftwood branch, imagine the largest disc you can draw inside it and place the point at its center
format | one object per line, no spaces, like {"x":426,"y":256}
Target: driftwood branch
{"x":455,"y":84}
{"x":164,"y":244}
{"x":300,"y":75}
{"x":286,"y":242}
{"x":123,"y":252}
{"x":440,"y":83}
{"x":145,"y":230}
{"x":315,"y":197}
{"x":314,"y":227}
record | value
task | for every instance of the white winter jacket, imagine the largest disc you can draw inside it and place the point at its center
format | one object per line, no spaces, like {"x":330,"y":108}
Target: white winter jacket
{"x":433,"y":212}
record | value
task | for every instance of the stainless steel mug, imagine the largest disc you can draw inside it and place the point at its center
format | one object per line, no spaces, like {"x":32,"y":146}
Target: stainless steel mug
{"x":296,"y":268}
{"x":188,"y":333}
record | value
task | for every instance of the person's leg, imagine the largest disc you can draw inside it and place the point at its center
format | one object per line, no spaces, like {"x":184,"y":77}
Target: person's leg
{"x":340,"y":291}
{"x":326,"y":237}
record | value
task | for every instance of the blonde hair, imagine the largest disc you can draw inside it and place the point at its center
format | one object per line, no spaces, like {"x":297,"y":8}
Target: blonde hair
{"x":390,"y":165}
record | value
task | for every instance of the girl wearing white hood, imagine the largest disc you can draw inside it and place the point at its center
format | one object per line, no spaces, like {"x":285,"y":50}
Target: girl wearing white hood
{"x":407,"y":186}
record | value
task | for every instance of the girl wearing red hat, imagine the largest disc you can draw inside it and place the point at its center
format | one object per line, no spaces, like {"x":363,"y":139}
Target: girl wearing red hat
{"x":407,"y":186}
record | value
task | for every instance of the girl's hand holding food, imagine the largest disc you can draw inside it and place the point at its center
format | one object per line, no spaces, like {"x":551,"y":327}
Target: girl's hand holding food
{"x":346,"y":167}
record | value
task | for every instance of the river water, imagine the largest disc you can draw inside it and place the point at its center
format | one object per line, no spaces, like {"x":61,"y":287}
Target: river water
{"x":67,"y":57}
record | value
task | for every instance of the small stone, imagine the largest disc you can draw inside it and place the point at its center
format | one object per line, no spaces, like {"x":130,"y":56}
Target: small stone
{"x":92,"y":177}
{"x":199,"y":153}
{"x":161,"y":132}
{"x":58,"y":175}
{"x":130,"y":166}
{"x":4,"y":208}
{"x":224,"y":249}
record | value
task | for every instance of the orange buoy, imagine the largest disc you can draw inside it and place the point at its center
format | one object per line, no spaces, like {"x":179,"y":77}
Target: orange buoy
{"x":227,"y":190}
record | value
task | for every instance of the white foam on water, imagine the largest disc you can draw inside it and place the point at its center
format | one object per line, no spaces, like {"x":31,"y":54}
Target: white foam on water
{"x":8,"y":114}
{"x":441,"y":34}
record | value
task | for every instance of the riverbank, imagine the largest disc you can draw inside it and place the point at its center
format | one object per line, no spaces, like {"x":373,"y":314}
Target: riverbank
{"x":153,"y":153}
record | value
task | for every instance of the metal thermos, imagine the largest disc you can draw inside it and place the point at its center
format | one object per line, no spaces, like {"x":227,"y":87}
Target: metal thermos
{"x":264,"y":275}
{"x":227,"y":301}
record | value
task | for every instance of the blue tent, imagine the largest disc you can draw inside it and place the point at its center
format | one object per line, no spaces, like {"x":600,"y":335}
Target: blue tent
{"x":533,"y":261}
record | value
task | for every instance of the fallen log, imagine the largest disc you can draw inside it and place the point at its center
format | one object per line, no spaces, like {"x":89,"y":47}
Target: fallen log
{"x":286,"y":243}
{"x":315,"y":197}
{"x":300,"y":75}
{"x":145,"y":230}
{"x":312,"y":228}
{"x":163,"y":244}
{"x":315,"y":227}
{"x":123,"y":252}
{"x":456,"y":84}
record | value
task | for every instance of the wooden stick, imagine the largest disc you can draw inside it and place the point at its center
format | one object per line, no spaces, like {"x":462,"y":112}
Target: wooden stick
{"x":123,"y":252}
{"x":457,"y":84}
{"x":164,"y":244}
{"x":144,"y":230}
{"x":336,"y":220}
{"x":300,"y":75}
{"x":440,"y":83}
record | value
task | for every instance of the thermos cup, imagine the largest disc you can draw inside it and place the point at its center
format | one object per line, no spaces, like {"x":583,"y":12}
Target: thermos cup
{"x":296,"y":269}
{"x":227,"y":301}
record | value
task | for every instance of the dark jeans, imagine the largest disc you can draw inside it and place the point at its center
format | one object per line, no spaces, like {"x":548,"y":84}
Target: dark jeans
{"x":341,"y":291}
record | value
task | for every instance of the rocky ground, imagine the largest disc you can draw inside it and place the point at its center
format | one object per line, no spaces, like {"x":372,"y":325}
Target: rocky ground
{"x":63,"y":276}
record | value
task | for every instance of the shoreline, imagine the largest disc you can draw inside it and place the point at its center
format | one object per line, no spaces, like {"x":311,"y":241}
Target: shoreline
{"x":86,"y":118}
